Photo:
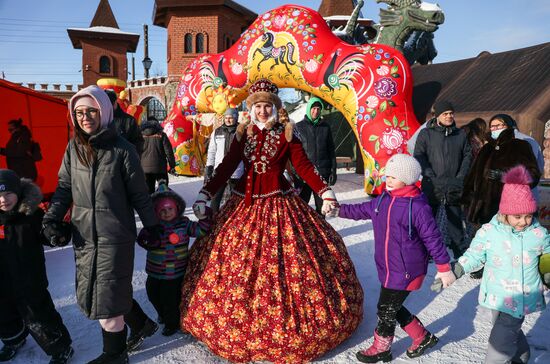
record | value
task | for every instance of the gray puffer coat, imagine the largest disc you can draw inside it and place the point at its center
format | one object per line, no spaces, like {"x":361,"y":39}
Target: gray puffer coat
{"x":104,"y":197}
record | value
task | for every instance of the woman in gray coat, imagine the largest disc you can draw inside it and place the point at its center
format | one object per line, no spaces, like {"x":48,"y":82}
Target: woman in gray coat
{"x":101,"y":177}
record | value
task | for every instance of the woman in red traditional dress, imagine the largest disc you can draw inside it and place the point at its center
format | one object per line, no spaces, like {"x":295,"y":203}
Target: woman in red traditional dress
{"x":273,"y":280}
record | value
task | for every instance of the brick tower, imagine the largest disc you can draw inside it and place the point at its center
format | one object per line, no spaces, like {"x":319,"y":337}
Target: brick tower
{"x":104,"y":46}
{"x":199,"y":26}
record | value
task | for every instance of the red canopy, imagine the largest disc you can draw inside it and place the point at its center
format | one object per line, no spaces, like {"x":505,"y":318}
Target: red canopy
{"x":47,"y":118}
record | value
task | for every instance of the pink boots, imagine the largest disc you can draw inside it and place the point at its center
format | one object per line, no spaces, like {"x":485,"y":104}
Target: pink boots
{"x":422,"y":338}
{"x":378,"y":351}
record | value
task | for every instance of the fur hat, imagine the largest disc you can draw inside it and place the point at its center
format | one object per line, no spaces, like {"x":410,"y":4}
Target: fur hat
{"x":162,"y":193}
{"x":10,"y":181}
{"x":441,"y":106}
{"x":516,"y":197}
{"x":404,"y":167}
{"x":263,"y":90}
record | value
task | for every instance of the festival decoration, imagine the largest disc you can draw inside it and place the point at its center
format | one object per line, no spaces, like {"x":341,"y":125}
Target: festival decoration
{"x":119,"y":86}
{"x":294,"y":48}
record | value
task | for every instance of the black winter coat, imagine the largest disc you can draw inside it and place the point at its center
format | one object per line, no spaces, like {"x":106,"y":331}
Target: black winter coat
{"x":157,"y":150}
{"x":18,"y":154}
{"x":104,"y":197}
{"x":318,"y":145}
{"x":21,"y":249}
{"x":481,"y":193}
{"x":126,"y":126}
{"x":445,"y":155}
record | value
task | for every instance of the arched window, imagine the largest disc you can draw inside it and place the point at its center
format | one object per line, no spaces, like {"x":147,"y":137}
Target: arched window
{"x":104,"y":64}
{"x":188,"y":44}
{"x":200,"y":43}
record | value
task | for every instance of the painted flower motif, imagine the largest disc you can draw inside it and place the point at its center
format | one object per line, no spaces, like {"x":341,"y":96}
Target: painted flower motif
{"x":194,"y":165}
{"x":372,"y":102}
{"x":392,"y":139}
{"x":385,"y":87}
{"x":185,"y":158}
{"x":311,"y":65}
{"x":279,"y":21}
{"x":266,"y":15}
{"x":169,"y":128}
{"x":181,"y":91}
{"x":382,"y":70}
{"x":237,"y":68}
{"x":185,"y":101}
{"x":267,"y":23}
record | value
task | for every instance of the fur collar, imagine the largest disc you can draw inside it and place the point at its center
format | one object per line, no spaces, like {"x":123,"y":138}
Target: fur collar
{"x":31,"y":197}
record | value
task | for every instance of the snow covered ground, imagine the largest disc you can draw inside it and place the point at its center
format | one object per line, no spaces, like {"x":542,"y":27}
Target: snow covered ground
{"x":453,"y":315}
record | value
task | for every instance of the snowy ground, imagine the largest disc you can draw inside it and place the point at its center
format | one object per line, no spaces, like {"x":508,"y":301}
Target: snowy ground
{"x":453,"y":315}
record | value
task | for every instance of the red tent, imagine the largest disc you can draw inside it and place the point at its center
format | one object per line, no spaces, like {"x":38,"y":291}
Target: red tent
{"x":47,"y":118}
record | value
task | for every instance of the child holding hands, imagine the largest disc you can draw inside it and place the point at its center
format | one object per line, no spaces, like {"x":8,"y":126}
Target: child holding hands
{"x":167,"y":256}
{"x":405,"y":235}
{"x":509,"y":247}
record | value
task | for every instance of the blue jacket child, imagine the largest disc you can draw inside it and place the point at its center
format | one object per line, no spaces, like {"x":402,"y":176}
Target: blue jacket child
{"x":509,"y":247}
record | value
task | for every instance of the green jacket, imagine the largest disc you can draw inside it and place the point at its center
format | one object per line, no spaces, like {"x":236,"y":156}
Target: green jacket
{"x":104,"y":229}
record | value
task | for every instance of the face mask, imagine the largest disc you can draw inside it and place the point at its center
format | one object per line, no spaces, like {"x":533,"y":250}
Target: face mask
{"x":496,"y":133}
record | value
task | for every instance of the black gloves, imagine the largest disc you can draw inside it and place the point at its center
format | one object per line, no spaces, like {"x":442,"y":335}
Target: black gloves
{"x":494,"y":174}
{"x":57,"y":233}
{"x":332,"y":179}
{"x":149,"y":236}
{"x":458,"y":271}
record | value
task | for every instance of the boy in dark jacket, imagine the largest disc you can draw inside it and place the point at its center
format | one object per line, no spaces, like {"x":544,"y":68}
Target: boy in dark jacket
{"x":316,"y":138}
{"x":167,"y":256}
{"x":157,"y":152}
{"x":405,"y":235}
{"x":25,"y":303}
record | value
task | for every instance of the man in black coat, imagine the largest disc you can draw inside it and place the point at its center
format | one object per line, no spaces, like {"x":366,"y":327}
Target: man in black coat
{"x":126,"y":126}
{"x":445,"y":154}
{"x":316,"y":138}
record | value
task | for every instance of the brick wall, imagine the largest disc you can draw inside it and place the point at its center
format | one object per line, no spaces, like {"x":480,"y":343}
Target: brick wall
{"x":92,"y":50}
{"x":217,"y":25}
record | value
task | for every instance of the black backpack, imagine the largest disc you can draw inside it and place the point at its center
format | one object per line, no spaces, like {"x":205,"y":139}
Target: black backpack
{"x":36,"y":152}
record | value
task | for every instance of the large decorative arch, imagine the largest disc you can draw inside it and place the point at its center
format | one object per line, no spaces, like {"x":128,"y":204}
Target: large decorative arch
{"x":293,"y":47}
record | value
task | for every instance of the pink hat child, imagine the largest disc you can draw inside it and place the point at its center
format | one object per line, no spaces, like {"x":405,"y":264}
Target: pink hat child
{"x":517,"y":198}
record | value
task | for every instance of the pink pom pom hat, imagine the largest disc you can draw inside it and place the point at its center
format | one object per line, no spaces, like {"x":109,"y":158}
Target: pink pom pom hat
{"x":516,"y":197}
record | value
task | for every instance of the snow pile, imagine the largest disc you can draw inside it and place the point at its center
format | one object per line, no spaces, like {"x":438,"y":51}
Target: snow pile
{"x":452,"y":315}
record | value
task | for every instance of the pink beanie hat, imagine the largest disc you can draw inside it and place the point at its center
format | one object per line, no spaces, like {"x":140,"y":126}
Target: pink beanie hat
{"x":517,"y":197}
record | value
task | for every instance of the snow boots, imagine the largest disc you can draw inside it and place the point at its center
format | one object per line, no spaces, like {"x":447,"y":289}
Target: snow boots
{"x":62,"y":357}
{"x":378,"y":351}
{"x":422,"y":338}
{"x":114,"y":348}
{"x":9,"y":350}
{"x":136,"y":337}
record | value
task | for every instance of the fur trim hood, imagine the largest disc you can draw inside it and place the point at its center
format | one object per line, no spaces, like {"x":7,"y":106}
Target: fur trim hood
{"x":31,"y":197}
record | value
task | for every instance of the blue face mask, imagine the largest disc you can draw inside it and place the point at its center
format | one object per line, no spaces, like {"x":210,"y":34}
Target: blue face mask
{"x":496,"y":133}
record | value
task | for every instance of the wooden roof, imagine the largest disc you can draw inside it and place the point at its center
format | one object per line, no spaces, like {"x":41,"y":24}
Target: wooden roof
{"x":104,"y":16}
{"x":517,"y":82}
{"x":336,"y":7}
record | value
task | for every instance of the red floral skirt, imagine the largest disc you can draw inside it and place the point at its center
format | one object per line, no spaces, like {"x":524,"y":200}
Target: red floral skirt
{"x":272,"y":281}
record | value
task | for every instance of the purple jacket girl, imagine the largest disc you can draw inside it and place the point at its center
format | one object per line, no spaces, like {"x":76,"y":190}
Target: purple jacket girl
{"x":405,"y":232}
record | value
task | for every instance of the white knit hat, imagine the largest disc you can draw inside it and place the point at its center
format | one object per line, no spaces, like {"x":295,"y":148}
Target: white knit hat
{"x":403,"y":167}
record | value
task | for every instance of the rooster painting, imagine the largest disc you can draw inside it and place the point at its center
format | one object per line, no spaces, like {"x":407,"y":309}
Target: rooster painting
{"x":343,"y":73}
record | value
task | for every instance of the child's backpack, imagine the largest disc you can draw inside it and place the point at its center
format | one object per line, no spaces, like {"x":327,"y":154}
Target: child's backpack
{"x":36,"y":152}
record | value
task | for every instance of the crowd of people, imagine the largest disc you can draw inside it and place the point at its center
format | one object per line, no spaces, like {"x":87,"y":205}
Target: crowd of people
{"x":256,"y":285}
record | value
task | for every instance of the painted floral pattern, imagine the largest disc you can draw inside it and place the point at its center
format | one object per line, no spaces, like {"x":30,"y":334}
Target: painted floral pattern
{"x":385,"y":88}
{"x":258,"y":290}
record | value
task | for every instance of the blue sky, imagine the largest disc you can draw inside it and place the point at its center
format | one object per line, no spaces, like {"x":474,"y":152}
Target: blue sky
{"x":35,"y":47}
